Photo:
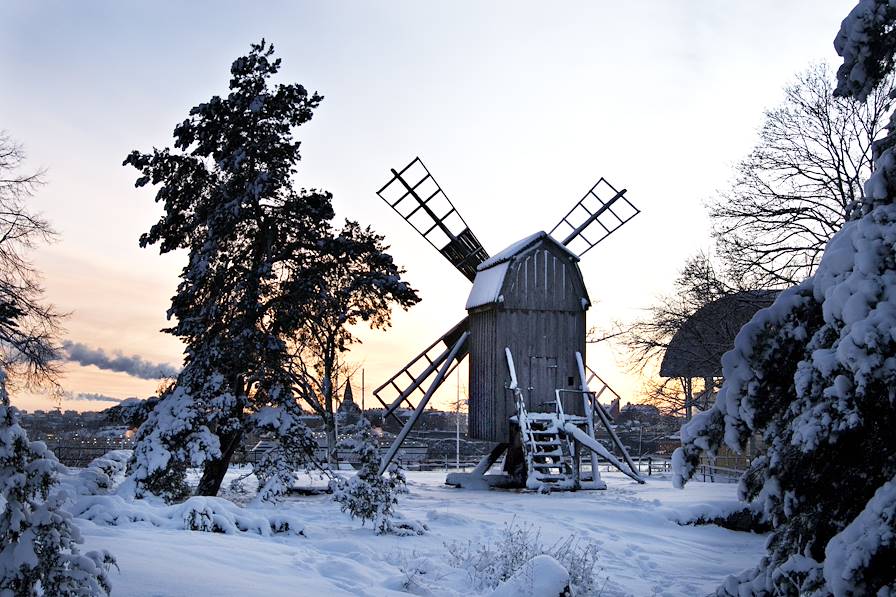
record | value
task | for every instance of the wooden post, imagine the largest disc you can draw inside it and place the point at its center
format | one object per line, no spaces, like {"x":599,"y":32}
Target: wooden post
{"x":604,"y":418}
{"x":589,"y":413}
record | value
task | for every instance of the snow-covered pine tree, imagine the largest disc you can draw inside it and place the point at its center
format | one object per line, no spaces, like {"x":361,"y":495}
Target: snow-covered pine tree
{"x":371,"y":496}
{"x":38,"y":541}
{"x":294,"y":450}
{"x":229,"y":201}
{"x":815,"y":375}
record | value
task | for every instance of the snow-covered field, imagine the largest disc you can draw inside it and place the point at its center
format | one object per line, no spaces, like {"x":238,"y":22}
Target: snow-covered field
{"x":642,"y":549}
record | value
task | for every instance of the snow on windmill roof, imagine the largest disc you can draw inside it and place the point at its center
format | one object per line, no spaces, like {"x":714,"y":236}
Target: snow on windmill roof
{"x":487,"y":286}
{"x":518,"y":247}
{"x":490,"y":273}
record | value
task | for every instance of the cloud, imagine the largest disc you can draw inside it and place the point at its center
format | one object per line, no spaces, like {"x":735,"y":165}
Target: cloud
{"x":92,"y":397}
{"x":132,"y":365}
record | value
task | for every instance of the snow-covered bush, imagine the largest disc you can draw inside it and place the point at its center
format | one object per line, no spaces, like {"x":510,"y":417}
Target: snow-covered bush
{"x":276,"y":469}
{"x":815,"y":375}
{"x":173,"y":438}
{"x":369,"y":495}
{"x":38,"y":541}
{"x":98,"y":477}
{"x":490,"y":563}
{"x":198,"y":513}
{"x":542,"y":575}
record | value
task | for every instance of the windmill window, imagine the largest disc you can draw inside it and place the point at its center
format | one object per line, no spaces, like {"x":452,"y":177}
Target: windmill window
{"x":569,"y":381}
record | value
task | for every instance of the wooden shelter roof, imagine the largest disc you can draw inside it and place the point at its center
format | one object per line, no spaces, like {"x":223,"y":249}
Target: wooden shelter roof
{"x":697,"y":347}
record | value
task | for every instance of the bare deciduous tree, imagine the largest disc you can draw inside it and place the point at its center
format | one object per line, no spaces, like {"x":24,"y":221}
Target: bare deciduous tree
{"x":355,"y":281}
{"x":697,"y":285}
{"x":29,"y":327}
{"x":673,"y":396}
{"x":799,"y":184}
{"x":321,"y":374}
{"x":648,"y":339}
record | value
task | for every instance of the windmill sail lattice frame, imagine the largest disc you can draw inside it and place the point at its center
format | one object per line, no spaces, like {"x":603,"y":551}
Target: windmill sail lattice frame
{"x":417,"y":197}
{"x":600,"y":213}
{"x":411,"y":381}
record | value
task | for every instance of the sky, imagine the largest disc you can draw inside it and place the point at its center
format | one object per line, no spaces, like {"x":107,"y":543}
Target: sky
{"x":517,"y":108}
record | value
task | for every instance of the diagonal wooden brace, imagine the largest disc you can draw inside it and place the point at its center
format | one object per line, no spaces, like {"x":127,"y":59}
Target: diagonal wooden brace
{"x":421,"y":406}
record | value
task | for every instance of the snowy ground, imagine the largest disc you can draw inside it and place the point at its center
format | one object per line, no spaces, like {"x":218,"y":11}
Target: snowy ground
{"x":643,"y":551}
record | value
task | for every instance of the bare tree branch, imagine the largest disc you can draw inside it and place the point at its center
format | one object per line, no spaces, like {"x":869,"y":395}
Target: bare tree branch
{"x":29,"y":328}
{"x":800,"y":183}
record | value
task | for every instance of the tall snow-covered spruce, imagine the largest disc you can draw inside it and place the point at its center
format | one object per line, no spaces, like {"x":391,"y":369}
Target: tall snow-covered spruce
{"x":815,"y":375}
{"x":269,"y":290}
{"x":228,"y":198}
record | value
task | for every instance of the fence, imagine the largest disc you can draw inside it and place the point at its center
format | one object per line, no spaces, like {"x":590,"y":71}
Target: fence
{"x":718,"y":474}
{"x":81,"y":456}
{"x":709,"y":473}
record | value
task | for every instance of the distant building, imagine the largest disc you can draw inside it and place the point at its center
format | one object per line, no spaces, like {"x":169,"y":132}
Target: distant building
{"x":348,"y":412}
{"x":614,"y":408}
{"x":647,"y":413}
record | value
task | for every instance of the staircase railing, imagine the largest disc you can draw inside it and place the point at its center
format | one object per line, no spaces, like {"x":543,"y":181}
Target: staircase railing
{"x":522,"y":414}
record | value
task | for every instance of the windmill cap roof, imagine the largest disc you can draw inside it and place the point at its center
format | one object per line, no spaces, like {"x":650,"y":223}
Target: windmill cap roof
{"x":491,"y":272}
{"x":518,"y":247}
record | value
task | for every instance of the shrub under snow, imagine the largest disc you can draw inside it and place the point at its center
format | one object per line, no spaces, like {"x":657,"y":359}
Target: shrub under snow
{"x":210,"y":514}
{"x":38,"y":541}
{"x":98,"y":477}
{"x":369,"y":495}
{"x":491,"y":563}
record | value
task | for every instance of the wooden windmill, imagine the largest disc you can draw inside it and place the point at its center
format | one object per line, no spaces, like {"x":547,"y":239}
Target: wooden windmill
{"x":525,"y":335}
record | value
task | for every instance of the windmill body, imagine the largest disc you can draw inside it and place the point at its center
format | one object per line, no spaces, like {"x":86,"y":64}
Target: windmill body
{"x":524,"y":333}
{"x":531,"y":299}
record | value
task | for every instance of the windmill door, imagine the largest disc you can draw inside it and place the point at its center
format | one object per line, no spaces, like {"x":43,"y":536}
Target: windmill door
{"x":542,"y":382}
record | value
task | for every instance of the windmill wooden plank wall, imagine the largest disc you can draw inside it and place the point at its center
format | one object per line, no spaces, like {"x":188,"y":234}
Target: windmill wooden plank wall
{"x":537,"y":309}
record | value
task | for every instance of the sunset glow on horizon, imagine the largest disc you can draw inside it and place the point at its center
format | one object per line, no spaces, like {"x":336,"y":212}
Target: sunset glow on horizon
{"x":515,"y":132}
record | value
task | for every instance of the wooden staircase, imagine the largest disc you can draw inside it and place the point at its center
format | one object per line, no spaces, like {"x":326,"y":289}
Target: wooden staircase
{"x":549,"y":454}
{"x":554,"y":442}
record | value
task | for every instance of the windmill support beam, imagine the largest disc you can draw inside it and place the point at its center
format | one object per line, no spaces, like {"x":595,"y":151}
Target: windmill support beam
{"x":604,"y":417}
{"x":595,"y":446}
{"x":421,"y":406}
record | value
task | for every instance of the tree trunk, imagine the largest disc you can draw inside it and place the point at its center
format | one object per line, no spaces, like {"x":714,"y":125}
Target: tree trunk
{"x":327,"y":390}
{"x":214,"y":471}
{"x":331,"y":440}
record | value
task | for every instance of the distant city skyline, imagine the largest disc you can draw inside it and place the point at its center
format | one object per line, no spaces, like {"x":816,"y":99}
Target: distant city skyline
{"x":517,"y":111}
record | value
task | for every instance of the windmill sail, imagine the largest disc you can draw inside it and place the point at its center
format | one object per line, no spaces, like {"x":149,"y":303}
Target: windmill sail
{"x":597,"y":215}
{"x":411,"y":381}
{"x":416,"y":196}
